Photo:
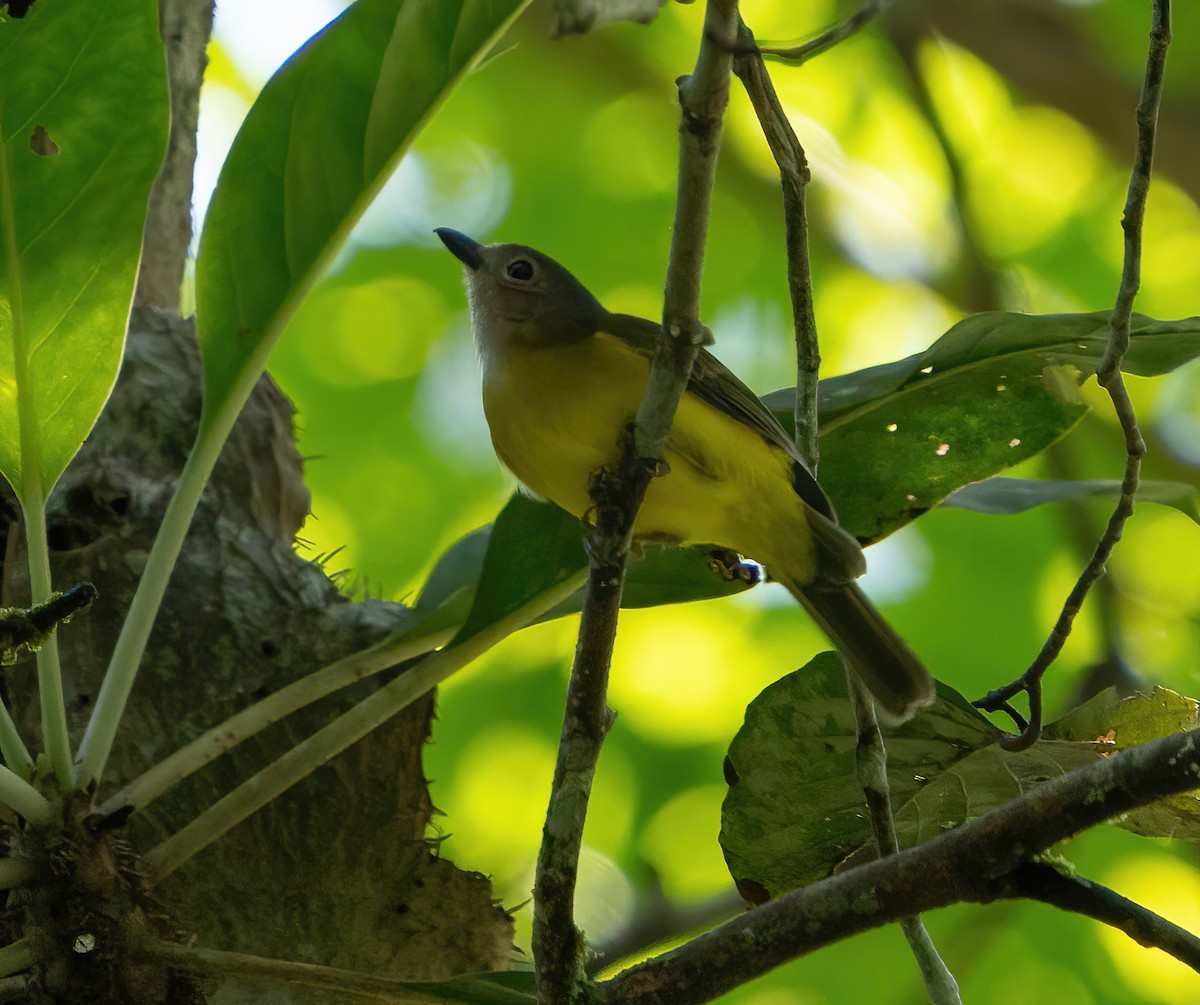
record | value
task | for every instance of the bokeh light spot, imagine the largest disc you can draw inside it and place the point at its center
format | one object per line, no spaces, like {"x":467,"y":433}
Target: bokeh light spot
{"x":681,"y":843}
{"x":1172,"y":585}
{"x":1172,"y":889}
{"x":865,"y":321}
{"x":446,"y":181}
{"x":1038,"y":168}
{"x":891,"y":197}
{"x":368,"y":332}
{"x":681,"y":676}
{"x":629,"y":146}
{"x":968,"y":96}
{"x":503,"y":774}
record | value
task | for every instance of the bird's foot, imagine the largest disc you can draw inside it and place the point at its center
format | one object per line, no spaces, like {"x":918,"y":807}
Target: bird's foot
{"x":731,"y":567}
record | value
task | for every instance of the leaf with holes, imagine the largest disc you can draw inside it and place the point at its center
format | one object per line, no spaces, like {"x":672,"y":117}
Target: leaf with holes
{"x":75,"y":174}
{"x":995,"y":390}
{"x":1128,"y":722}
{"x":794,"y":812}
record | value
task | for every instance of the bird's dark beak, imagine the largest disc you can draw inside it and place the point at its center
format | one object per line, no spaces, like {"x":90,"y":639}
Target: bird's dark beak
{"x":469,"y":252}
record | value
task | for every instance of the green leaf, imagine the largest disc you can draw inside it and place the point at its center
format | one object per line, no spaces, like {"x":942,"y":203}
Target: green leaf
{"x":1130,"y":722}
{"x":1005,"y":496}
{"x":320,"y":141}
{"x":534,"y":546}
{"x":449,"y":592}
{"x":795,"y":814}
{"x":794,"y":809}
{"x":996,"y":389}
{"x":77,"y":160}
{"x":316,"y":146}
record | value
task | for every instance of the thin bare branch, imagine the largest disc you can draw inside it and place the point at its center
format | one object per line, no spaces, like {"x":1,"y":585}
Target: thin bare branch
{"x":797,"y":54}
{"x":1038,"y":881}
{"x":1110,"y":378}
{"x":871,"y":771}
{"x":971,"y":863}
{"x":793,"y":177}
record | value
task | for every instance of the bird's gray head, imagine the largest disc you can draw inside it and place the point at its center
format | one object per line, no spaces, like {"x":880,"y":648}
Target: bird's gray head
{"x":519,"y":296}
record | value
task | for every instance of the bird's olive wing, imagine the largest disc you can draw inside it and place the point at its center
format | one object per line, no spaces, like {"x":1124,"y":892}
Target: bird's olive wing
{"x":714,"y":383}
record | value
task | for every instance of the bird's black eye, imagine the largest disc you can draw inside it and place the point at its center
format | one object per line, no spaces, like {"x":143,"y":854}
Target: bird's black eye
{"x":521,"y":270}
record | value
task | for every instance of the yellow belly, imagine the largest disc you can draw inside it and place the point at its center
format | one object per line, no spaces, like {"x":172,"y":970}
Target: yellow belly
{"x":556,"y":415}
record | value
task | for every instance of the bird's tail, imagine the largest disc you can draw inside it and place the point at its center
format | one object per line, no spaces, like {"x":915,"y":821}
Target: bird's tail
{"x":897,"y":679}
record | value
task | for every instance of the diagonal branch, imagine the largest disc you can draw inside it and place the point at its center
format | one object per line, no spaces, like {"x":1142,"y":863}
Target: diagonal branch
{"x":972,"y":863}
{"x":1109,"y":377}
{"x":797,"y":54}
{"x":793,"y":179}
{"x":1038,"y":881}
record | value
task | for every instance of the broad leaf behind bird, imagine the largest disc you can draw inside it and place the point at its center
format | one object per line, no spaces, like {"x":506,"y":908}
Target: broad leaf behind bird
{"x":561,"y":379}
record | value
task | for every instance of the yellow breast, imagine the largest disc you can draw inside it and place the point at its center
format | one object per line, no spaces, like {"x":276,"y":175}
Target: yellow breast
{"x":556,"y":415}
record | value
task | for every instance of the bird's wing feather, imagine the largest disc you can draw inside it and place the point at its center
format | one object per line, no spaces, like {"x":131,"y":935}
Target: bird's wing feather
{"x":714,"y":383}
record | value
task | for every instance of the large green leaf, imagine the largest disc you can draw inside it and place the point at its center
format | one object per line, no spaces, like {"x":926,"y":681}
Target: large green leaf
{"x":1005,"y":496}
{"x":996,"y":389}
{"x":77,"y":160}
{"x":1126,"y":723}
{"x":795,"y":813}
{"x":534,"y":546}
{"x":318,"y":144}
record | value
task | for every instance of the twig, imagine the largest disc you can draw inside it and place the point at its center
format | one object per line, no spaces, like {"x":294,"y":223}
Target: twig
{"x":1038,"y":881}
{"x":871,"y":763}
{"x":871,"y":771}
{"x":557,"y":944}
{"x":1111,"y":669}
{"x":968,"y":864}
{"x":793,"y":177}
{"x":798,"y":54}
{"x":617,"y":493}
{"x":19,"y":627}
{"x":1079,"y":527}
{"x":1109,"y":377}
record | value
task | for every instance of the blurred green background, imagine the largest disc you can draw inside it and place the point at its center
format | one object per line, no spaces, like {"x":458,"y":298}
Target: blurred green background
{"x":940,"y":186}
